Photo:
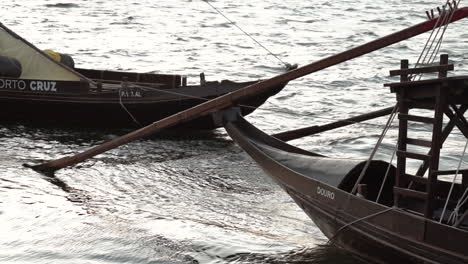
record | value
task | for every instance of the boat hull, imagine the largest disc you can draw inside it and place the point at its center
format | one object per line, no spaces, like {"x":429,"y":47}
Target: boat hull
{"x":370,"y":242}
{"x":372,"y":231}
{"x":117,"y":109}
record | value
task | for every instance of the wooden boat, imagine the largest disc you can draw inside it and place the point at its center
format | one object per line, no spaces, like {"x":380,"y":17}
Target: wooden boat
{"x":379,"y":212}
{"x":139,"y":104}
{"x":35,"y":88}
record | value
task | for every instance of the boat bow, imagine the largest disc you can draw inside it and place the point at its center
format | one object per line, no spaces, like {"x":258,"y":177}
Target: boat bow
{"x":292,"y":166}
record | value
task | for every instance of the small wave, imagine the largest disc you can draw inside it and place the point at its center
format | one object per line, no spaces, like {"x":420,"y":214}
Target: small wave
{"x":375,"y":20}
{"x":218,"y":25}
{"x":286,"y":96}
{"x":62,"y":5}
{"x":307,"y":21}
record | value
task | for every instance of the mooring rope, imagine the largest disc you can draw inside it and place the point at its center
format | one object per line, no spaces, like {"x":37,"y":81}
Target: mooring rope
{"x":125,"y":87}
{"x":357,"y":221}
{"x":287,"y":65}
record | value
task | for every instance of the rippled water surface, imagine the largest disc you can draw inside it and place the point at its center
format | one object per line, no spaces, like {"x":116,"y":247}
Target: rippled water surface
{"x":198,"y":199}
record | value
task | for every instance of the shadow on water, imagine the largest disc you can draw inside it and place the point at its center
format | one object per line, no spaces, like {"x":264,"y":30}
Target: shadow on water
{"x":68,"y":141}
{"x":74,"y":195}
{"x":70,"y":134}
{"x":321,"y":254}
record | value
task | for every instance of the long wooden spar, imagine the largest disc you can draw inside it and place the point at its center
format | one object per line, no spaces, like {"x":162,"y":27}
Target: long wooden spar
{"x":311,"y":130}
{"x":251,"y":90}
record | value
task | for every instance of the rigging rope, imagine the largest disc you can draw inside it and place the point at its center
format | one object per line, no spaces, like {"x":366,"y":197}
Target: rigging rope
{"x":436,"y":25}
{"x":453,"y":183}
{"x":441,"y":20}
{"x":384,"y":132}
{"x":444,"y":17}
{"x":461,"y":202}
{"x":287,"y":65}
{"x":449,"y":18}
{"x":386,"y":173}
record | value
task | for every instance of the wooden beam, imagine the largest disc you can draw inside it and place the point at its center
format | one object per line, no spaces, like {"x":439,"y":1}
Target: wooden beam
{"x":462,"y":126}
{"x":422,"y":119}
{"x":312,"y":130}
{"x":418,"y":142}
{"x":410,"y":193}
{"x":429,"y":69}
{"x":463,"y":121}
{"x":445,"y":133}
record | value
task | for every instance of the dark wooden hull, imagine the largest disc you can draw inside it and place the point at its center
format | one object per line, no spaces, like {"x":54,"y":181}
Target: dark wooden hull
{"x":109,"y":108}
{"x":375,"y":232}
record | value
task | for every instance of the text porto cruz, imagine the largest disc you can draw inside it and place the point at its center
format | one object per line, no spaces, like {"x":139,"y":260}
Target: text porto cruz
{"x":30,"y":85}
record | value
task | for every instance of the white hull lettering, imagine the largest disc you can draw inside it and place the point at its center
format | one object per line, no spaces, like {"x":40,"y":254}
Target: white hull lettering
{"x":43,"y":86}
{"x":21,"y":85}
{"x":130,"y":93}
{"x":40,"y":86}
{"x":326,"y":193}
{"x":12,"y":84}
{"x":52,"y":87}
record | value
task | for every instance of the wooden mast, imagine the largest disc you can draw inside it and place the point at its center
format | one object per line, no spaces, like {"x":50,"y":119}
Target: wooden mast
{"x":231,"y":98}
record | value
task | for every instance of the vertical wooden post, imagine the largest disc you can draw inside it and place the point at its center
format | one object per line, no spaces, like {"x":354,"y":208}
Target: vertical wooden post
{"x":441,"y":104}
{"x":465,"y":179}
{"x":439,"y":109}
{"x":402,"y":133}
{"x":443,"y":61}
{"x":404,"y":64}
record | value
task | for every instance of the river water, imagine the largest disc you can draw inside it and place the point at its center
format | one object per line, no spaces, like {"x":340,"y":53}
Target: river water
{"x":198,"y":198}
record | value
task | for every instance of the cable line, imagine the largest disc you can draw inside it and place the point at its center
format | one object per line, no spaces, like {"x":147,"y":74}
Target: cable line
{"x":287,"y":65}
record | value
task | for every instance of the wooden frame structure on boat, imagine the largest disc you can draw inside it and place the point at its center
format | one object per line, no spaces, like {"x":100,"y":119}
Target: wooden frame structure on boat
{"x":376,"y":211}
{"x":444,"y":95}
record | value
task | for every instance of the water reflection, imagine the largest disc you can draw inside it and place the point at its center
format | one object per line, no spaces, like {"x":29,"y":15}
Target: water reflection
{"x":320,"y":254}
